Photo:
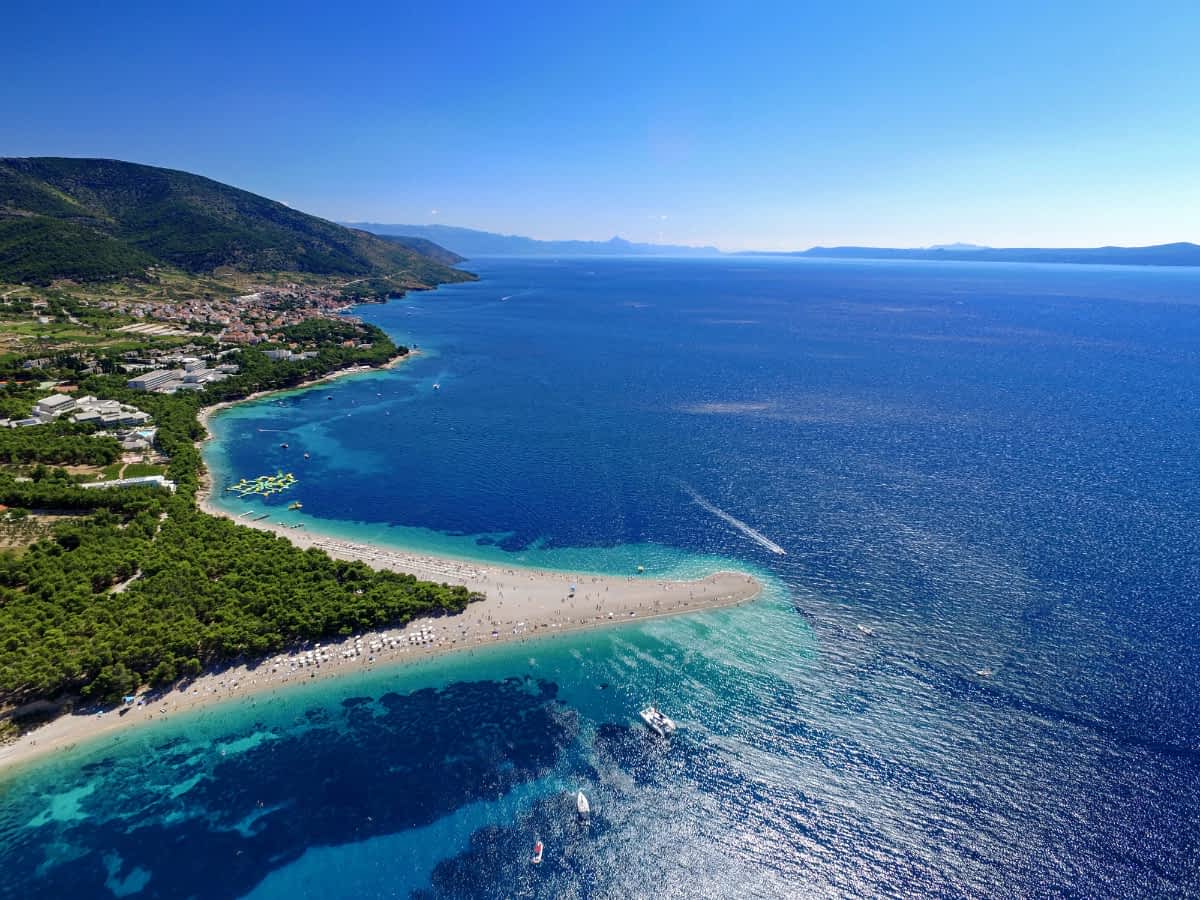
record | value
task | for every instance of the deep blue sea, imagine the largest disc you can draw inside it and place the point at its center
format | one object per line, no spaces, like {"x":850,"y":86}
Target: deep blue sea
{"x":991,"y":468}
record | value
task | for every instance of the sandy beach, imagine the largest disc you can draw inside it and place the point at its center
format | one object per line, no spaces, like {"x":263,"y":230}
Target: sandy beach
{"x":521,"y":604}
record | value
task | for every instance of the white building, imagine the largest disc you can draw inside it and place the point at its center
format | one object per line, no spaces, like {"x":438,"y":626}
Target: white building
{"x":144,"y":481}
{"x":53,"y":406}
{"x":154,"y":380}
{"x":107,"y":413}
{"x":204,"y":376}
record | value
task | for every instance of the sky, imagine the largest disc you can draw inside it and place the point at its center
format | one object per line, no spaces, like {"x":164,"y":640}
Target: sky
{"x":759,"y":125}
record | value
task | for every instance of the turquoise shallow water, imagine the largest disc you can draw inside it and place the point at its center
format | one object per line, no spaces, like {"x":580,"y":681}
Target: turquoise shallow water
{"x":986,"y":467}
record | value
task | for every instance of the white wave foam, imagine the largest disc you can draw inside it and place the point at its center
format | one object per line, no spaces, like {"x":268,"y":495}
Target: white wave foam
{"x":757,"y":536}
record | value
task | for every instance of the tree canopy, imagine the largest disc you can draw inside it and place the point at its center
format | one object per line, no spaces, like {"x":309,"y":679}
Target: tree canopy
{"x":207,"y":590}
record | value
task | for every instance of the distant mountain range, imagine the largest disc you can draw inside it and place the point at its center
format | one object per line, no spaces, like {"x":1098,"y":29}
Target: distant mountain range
{"x":96,"y":219}
{"x":469,"y":242}
{"x":1181,"y":254}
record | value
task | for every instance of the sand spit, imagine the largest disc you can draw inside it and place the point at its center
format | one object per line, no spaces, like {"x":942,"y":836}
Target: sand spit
{"x":521,"y":605}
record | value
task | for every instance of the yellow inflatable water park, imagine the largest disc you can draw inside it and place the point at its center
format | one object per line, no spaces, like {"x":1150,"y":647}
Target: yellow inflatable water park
{"x":263,"y":485}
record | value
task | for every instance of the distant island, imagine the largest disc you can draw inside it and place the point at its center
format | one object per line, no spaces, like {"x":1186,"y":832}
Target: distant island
{"x":469,"y":242}
{"x":1179,"y":254}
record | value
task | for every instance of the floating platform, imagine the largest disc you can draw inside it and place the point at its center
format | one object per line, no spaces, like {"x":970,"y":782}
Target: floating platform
{"x":263,"y":485}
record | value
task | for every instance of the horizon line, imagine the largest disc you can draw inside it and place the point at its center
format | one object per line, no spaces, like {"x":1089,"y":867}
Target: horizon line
{"x":947,"y":246}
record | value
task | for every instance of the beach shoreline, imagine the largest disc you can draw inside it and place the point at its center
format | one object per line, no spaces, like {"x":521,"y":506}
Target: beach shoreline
{"x":420,"y":639}
{"x":520,"y":604}
{"x":366,"y":652}
{"x":205,"y":413}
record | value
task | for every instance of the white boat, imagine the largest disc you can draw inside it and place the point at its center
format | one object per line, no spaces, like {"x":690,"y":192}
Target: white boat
{"x":657,"y":722}
{"x":537,"y":853}
{"x":581,"y":804}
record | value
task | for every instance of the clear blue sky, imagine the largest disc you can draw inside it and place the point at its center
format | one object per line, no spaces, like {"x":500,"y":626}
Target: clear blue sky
{"x":746,"y":125}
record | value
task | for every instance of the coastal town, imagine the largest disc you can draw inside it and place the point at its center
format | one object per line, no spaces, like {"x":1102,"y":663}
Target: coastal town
{"x":182,"y":346}
{"x":77,"y":367}
{"x":248,"y":319}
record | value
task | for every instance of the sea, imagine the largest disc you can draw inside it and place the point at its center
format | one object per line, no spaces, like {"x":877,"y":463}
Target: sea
{"x":970,"y":490}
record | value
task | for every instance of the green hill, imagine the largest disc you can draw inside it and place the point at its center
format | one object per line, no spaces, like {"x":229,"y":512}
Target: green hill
{"x":38,"y":249}
{"x":92,"y":219}
{"x":424,"y":247}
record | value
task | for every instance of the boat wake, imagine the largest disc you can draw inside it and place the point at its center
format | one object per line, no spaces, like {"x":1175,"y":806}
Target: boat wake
{"x":757,"y":536}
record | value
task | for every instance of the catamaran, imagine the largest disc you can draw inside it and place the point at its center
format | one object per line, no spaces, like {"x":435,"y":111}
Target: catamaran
{"x":657,"y":722}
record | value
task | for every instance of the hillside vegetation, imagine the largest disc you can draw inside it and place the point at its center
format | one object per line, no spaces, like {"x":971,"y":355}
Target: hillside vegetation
{"x":94,"y":219}
{"x":37,"y":249}
{"x":424,"y":247}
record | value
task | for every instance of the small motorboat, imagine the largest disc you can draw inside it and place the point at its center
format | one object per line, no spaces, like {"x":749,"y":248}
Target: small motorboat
{"x":296,"y":505}
{"x":436,"y":386}
{"x":306,"y":456}
{"x":866,"y":629}
{"x":582,"y":805}
{"x":537,"y":853}
{"x":283,"y":446}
